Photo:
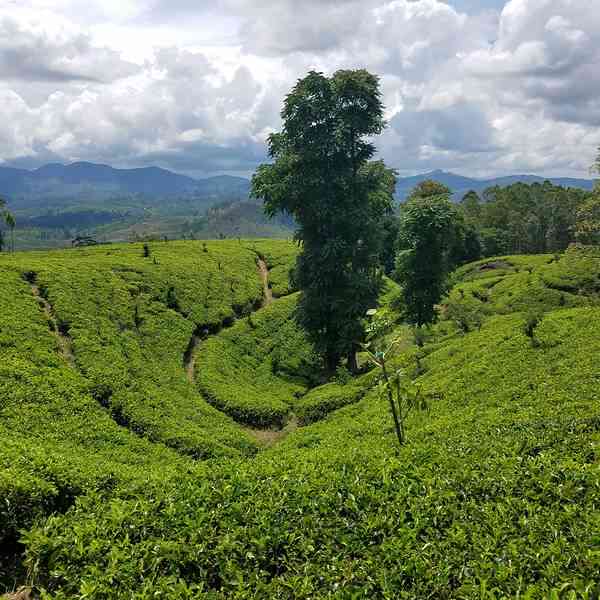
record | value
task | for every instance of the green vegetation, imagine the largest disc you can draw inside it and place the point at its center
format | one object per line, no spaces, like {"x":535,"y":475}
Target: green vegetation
{"x":281,"y":260}
{"x":494,"y":494}
{"x":10,"y":221}
{"x":255,"y":370}
{"x":522,"y":217}
{"x":323,"y":176}
{"x":426,"y":235}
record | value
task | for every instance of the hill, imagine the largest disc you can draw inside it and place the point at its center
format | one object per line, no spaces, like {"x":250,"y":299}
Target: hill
{"x":57,"y":186}
{"x":461,"y":185}
{"x":172,"y":433}
{"x":56,"y":203}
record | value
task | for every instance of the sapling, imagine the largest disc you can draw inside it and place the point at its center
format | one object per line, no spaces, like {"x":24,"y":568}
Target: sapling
{"x":532,"y":320}
{"x":403,"y":396}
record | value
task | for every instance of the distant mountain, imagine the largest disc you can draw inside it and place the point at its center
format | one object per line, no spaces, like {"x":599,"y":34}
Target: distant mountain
{"x":90,"y":181}
{"x":461,"y":185}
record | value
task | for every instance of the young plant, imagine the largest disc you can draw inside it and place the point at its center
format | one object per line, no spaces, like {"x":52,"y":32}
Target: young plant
{"x":403,"y":396}
{"x":532,"y":320}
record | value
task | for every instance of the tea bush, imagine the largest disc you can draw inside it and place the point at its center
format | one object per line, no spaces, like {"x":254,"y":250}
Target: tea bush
{"x":495,"y":495}
{"x":254,"y":370}
{"x":280,"y":260}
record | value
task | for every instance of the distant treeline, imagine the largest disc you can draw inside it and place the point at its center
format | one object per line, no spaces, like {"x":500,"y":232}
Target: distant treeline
{"x":524,"y":218}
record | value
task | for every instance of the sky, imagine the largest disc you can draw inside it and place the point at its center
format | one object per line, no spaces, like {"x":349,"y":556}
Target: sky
{"x":478,"y":87}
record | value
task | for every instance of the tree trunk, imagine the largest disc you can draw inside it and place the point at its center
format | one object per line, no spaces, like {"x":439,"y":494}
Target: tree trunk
{"x":352,"y":361}
{"x":332,"y":360}
{"x":399,"y":427}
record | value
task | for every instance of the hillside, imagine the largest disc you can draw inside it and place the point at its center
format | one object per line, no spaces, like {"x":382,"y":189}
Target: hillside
{"x":56,"y":203}
{"x":173,"y":433}
{"x":460,"y":185}
{"x":56,"y":185}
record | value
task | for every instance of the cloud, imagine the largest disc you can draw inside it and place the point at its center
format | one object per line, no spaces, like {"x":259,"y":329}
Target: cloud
{"x":546,"y":56}
{"x":479,"y":91}
{"x":31,"y":52}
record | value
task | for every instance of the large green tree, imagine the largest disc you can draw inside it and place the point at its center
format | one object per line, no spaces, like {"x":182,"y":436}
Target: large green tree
{"x":10,"y":222}
{"x":322,"y":174}
{"x":428,"y":228}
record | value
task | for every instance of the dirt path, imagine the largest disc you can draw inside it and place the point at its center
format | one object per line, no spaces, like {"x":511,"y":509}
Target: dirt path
{"x":189,"y":358}
{"x":64,"y":341}
{"x":264,"y":275}
{"x":270,"y":437}
{"x":265,"y":437}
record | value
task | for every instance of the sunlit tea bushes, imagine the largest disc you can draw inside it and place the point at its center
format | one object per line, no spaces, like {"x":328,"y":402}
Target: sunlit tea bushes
{"x":494,"y":495}
{"x":281,"y":260}
{"x":522,"y":284}
{"x":57,"y":441}
{"x":255,"y":370}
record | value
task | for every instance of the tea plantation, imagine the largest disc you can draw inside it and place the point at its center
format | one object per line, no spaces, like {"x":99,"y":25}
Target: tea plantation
{"x":135,"y":383}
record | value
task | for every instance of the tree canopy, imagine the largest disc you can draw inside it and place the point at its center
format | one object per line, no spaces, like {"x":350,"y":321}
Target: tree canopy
{"x":322,"y":174}
{"x":10,"y":222}
{"x":428,"y":232}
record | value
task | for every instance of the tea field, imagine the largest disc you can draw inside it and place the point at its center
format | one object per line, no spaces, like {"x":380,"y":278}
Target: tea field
{"x":135,"y":384}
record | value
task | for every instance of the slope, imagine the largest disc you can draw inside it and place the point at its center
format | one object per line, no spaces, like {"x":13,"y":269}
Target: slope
{"x":494,"y":496}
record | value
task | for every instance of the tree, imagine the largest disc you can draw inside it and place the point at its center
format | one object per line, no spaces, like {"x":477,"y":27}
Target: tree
{"x":11,"y":223}
{"x":428,"y":189}
{"x":427,"y":234}
{"x":587,"y":229}
{"x":322,"y":176}
{"x":596,"y":169}
{"x":470,"y":206}
{"x":9,"y":219}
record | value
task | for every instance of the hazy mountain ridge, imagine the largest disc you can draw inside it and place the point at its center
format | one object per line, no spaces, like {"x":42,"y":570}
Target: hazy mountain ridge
{"x":25,"y":188}
{"x":460,"y":185}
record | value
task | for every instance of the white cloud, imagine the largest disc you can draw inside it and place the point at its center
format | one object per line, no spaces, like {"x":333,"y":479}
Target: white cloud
{"x":198,"y":87}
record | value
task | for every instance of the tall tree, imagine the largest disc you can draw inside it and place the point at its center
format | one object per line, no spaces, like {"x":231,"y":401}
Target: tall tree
{"x":2,"y":204}
{"x":9,"y":219}
{"x":470,"y":206}
{"x":587,"y":229}
{"x":11,"y":223}
{"x":427,"y":236}
{"x":323,"y":176}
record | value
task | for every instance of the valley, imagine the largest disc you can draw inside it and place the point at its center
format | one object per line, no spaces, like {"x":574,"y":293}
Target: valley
{"x":171,"y":431}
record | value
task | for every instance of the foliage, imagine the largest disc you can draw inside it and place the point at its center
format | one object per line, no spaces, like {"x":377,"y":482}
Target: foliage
{"x":321,"y":175}
{"x":254,"y":371}
{"x":495,"y":496}
{"x":427,"y":232}
{"x":280,"y":259}
{"x":588,"y":221}
{"x":524,"y":218}
{"x":10,"y":222}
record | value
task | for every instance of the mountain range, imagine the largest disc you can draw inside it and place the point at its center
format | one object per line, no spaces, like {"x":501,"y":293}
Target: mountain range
{"x":460,"y":185}
{"x":54,"y":184}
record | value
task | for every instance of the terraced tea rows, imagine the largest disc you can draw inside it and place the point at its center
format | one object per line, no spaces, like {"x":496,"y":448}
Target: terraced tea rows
{"x":495,"y":495}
